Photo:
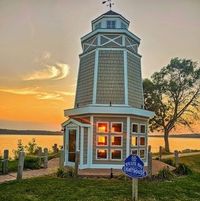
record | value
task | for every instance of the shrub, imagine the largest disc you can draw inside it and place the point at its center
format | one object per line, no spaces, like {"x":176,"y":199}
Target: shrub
{"x":64,"y":173}
{"x":32,"y":162}
{"x":165,"y":174}
{"x":168,"y":161}
{"x":183,"y":169}
{"x":60,"y":172}
{"x":31,"y":147}
{"x":20,"y":147}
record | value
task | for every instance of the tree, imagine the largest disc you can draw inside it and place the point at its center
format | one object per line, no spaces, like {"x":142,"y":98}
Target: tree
{"x":173,"y":94}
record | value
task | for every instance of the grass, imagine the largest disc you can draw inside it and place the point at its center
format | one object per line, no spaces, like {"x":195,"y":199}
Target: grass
{"x":49,"y":188}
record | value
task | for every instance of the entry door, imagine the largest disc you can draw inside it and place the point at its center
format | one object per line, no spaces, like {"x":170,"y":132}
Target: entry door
{"x":72,"y":145}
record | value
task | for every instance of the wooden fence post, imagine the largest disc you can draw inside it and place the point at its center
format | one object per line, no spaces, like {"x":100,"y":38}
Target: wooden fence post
{"x":149,"y":161}
{"x":134,"y":189}
{"x":160,"y":152}
{"x":55,"y":148}
{"x":20,"y":165}
{"x":76,"y":163}
{"x":45,"y":158}
{"x":176,"y":158}
{"x":40,"y":155}
{"x":5,"y":162}
{"x":61,"y":161}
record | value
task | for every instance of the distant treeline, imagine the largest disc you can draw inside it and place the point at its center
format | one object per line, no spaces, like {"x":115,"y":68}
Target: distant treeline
{"x":29,"y":132}
{"x":193,"y":135}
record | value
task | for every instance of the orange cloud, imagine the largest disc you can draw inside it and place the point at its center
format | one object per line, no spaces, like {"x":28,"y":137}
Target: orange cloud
{"x":54,"y":72}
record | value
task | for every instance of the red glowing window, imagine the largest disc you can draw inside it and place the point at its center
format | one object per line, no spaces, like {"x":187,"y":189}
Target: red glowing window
{"x":102,"y":127}
{"x":102,"y":140}
{"x":116,"y":128}
{"x":102,"y":153}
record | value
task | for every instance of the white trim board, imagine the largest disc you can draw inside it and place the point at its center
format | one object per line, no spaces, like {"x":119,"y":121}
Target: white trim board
{"x":109,"y":110}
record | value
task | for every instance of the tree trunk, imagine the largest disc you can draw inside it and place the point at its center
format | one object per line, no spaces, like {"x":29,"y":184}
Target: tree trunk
{"x":166,"y":138}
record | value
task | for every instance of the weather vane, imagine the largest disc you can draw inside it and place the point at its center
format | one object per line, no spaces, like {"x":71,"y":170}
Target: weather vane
{"x":109,"y":3}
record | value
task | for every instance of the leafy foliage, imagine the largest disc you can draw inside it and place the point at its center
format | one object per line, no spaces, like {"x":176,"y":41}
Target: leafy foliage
{"x":31,"y":147}
{"x":20,"y":147}
{"x":165,"y":174}
{"x":32,"y":162}
{"x":183,"y":169}
{"x":173,"y":94}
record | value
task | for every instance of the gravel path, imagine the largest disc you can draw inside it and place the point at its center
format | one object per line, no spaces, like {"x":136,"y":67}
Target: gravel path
{"x":53,"y":165}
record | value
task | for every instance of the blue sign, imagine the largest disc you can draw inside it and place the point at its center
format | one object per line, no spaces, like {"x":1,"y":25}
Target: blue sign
{"x":134,"y":167}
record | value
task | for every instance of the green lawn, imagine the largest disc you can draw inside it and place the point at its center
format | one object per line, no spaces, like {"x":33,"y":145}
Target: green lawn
{"x":185,"y":188}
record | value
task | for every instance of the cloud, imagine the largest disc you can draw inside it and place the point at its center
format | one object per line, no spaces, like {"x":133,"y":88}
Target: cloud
{"x":41,"y":95}
{"x":24,"y":91}
{"x":50,"y":72}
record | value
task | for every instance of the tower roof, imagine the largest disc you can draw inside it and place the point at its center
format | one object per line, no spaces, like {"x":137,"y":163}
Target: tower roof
{"x":111,"y":14}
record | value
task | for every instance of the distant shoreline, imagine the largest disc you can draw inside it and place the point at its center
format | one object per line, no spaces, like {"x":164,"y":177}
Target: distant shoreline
{"x":29,"y":132}
{"x":178,"y":136}
{"x":41,"y":134}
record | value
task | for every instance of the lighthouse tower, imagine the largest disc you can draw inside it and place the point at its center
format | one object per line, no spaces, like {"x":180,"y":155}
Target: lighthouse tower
{"x":108,"y":121}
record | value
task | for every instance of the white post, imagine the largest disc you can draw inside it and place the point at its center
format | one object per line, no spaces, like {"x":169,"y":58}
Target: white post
{"x":81,"y":147}
{"x":45,"y":158}
{"x":128,"y":137}
{"x":134,"y":189}
{"x":61,"y":161}
{"x":20,"y":165}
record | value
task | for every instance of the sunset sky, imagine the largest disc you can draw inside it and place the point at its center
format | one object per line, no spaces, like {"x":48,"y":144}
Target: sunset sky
{"x":40,"y":44}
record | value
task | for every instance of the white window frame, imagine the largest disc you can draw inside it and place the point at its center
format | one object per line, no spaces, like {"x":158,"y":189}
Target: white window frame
{"x":101,"y":159}
{"x":137,"y":140}
{"x":116,"y":136}
{"x":134,"y":150}
{"x":122,"y":127}
{"x":121,"y":150}
{"x":102,"y":136}
{"x":144,"y":143}
{"x":138,"y":125}
{"x":145,"y":129}
{"x":104,"y":122}
{"x":111,"y":24}
{"x":144,"y":154}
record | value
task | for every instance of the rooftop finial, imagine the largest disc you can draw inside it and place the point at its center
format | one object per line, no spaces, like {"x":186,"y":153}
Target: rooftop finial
{"x":109,"y":3}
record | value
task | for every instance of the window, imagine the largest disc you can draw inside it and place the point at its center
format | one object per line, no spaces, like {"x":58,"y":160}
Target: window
{"x":102,"y":127}
{"x":142,"y":153}
{"x":116,"y":127}
{"x":134,"y":151}
{"x":116,"y":154}
{"x":134,"y":141}
{"x":111,"y":24}
{"x":142,"y":141}
{"x":102,"y":140}
{"x":135,"y":128}
{"x":102,"y":154}
{"x":123,"y":26}
{"x":116,"y":140}
{"x":142,"y":129}
{"x":98,"y":25}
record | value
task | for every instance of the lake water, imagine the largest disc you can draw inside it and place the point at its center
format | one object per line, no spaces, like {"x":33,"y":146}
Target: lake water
{"x":10,"y":142}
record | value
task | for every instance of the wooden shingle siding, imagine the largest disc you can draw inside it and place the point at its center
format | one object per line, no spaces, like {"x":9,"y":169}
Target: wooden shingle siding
{"x":135,"y":96}
{"x":124,"y":134}
{"x":85,"y":80}
{"x":85,"y":146}
{"x":110,"y":82}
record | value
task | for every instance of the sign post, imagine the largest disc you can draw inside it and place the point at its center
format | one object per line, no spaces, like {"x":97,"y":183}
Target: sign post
{"x":134,"y":168}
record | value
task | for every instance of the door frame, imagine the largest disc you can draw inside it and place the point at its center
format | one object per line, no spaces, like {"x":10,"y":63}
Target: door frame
{"x":67,"y":162}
